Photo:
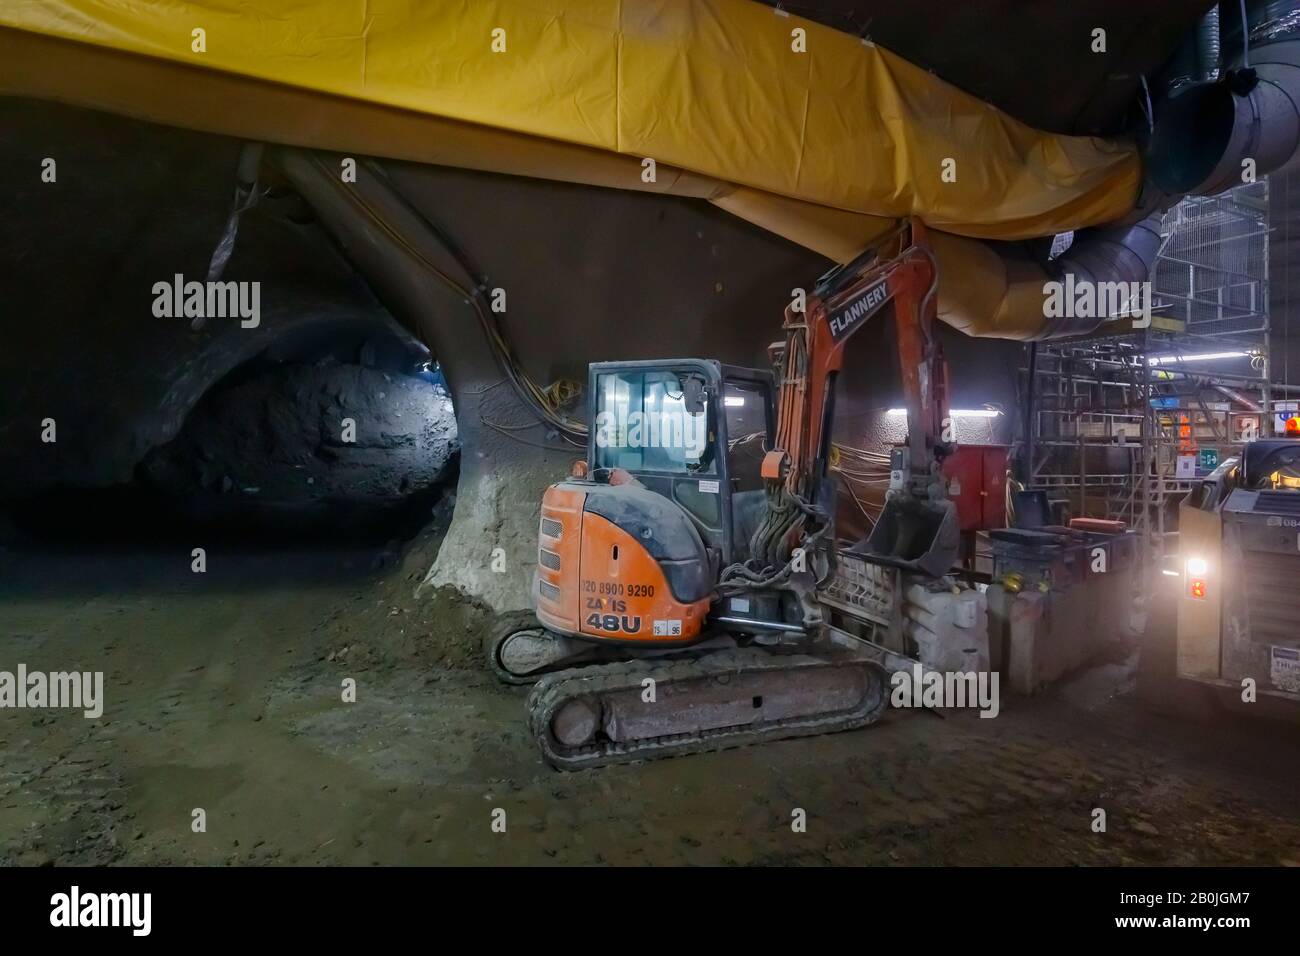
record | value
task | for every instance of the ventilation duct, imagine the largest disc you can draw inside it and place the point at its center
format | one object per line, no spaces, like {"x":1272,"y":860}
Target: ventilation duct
{"x":1000,"y":290}
{"x":1208,"y":137}
{"x":558,"y":117}
{"x":1108,"y":255}
{"x":1199,"y":60}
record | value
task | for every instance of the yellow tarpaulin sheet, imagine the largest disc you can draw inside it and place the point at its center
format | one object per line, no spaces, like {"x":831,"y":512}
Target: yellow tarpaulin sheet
{"x":724,"y":88}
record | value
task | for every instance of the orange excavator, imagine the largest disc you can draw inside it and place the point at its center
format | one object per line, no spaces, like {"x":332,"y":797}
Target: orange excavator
{"x":691,"y":593}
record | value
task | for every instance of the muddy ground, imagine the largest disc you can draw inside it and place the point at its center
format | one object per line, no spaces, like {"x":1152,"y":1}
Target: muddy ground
{"x":223,"y":692}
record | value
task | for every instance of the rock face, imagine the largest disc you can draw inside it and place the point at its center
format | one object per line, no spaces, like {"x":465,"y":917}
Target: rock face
{"x":304,"y":438}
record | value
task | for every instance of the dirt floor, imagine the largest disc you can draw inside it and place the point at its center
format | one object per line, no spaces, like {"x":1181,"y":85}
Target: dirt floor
{"x":223,"y":692}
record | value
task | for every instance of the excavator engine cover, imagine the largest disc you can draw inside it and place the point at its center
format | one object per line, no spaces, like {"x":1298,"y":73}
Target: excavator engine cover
{"x":619,"y":563}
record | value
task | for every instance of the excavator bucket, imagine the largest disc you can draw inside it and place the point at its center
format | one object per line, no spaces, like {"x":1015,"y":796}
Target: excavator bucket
{"x":915,"y":535}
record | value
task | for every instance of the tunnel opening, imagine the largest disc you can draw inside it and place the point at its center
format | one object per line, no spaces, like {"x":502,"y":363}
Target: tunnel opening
{"x":339,"y":440}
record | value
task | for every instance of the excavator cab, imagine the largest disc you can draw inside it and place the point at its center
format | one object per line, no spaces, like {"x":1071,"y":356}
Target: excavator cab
{"x":691,"y":430}
{"x":631,"y":546}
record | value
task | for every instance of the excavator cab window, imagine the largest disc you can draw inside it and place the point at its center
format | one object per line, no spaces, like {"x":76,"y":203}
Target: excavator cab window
{"x":745,"y":407}
{"x":654,"y":420}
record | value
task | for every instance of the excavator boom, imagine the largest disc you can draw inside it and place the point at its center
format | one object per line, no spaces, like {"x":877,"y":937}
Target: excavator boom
{"x":917,"y":530}
{"x":812,"y":355}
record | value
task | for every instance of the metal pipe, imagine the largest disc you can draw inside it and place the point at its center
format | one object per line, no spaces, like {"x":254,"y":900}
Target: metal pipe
{"x":1207,"y":139}
{"x":1233,"y":395}
{"x":1208,"y":50}
{"x":1214,"y":136}
{"x":1028,"y":427}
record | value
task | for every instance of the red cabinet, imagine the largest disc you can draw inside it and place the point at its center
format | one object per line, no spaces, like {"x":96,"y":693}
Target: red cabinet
{"x":977,"y":483}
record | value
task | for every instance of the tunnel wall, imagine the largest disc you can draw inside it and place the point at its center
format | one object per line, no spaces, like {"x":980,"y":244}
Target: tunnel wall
{"x":589,"y":274}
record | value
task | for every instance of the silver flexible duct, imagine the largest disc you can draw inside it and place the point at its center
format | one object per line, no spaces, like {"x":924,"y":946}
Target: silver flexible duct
{"x":1276,"y":20}
{"x":1199,"y":59}
{"x":1208,"y":56}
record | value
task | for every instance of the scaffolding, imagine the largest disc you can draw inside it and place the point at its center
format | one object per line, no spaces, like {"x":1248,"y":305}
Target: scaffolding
{"x":1086,"y":427}
{"x":1122,"y":423}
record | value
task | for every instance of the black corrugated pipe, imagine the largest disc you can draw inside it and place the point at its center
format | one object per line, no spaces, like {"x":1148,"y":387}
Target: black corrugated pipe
{"x":1208,"y":137}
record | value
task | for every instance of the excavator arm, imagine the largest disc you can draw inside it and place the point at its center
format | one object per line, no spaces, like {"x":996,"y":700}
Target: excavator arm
{"x":812,"y":355}
{"x":901,"y":271}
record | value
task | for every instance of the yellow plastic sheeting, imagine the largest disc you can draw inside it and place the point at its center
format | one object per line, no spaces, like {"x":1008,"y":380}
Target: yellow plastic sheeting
{"x":983,"y":292}
{"x":711,"y":86}
{"x":989,"y":292}
{"x":836,"y":234}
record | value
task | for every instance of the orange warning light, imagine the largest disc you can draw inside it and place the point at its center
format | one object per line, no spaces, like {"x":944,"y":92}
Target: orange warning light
{"x":1197,"y":588}
{"x":1293,"y":426}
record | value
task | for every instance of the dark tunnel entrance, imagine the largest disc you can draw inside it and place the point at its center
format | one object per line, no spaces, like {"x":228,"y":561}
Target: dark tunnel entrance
{"x":321,"y":425}
{"x":339,"y":444}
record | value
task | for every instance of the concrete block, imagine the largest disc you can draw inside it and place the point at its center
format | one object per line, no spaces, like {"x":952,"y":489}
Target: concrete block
{"x":949,"y":626}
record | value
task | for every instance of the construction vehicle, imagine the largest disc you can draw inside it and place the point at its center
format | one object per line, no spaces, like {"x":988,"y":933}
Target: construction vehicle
{"x":691,"y":593}
{"x":1238,"y":606}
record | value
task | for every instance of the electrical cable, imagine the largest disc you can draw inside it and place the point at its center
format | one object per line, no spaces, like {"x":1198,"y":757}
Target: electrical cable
{"x":523,"y":441}
{"x":525,"y":387}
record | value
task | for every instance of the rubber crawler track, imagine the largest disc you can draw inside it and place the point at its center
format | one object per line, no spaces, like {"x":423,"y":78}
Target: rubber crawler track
{"x":554,"y":690}
{"x":503,"y":627}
